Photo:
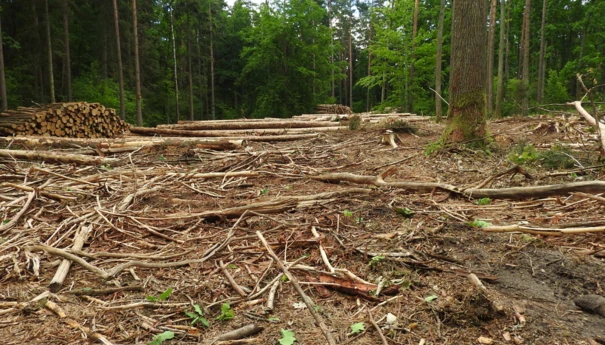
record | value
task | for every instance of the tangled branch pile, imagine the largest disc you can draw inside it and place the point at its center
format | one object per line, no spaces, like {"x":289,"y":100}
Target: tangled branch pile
{"x":333,"y":109}
{"x":74,"y":120}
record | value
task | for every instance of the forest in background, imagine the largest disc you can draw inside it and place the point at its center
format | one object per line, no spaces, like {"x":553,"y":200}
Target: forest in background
{"x":202,"y":59}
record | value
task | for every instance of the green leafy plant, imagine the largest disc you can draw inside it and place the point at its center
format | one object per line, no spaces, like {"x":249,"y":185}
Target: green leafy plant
{"x":347,"y":213}
{"x":232,"y":266}
{"x":161,"y":338}
{"x":405,"y":212}
{"x":358,"y":327}
{"x":484,"y":201}
{"x":162,"y":158}
{"x":477,"y":223}
{"x":197,"y":315}
{"x":287,"y":337}
{"x":430,"y":298}
{"x":162,"y":297}
{"x":226,"y":312}
{"x":264,"y":191}
{"x":523,"y":154}
{"x":376,"y":260}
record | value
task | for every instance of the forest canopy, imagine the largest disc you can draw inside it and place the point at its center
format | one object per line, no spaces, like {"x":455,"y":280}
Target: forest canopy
{"x":203,"y":59}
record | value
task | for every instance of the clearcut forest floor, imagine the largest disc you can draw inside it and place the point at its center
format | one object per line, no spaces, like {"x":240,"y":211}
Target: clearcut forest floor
{"x":429,"y":253}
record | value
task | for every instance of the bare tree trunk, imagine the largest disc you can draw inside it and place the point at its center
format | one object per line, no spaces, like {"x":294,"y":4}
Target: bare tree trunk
{"x":116,"y":20}
{"x":500,"y":89}
{"x":201,"y":80}
{"x":466,"y":120}
{"x":39,"y":73}
{"x":332,"y":87}
{"x":507,"y":55}
{"x":212,"y":104}
{"x":190,"y":67}
{"x":490,"y":57}
{"x":368,"y":107}
{"x":413,"y":67}
{"x":542,"y":63}
{"x":438,"y":63}
{"x":67,"y":50}
{"x":2,"y":77}
{"x":104,"y":56}
{"x":350,"y":67}
{"x":137,"y":67}
{"x":176,"y":74}
{"x":525,"y":79}
{"x":51,"y":79}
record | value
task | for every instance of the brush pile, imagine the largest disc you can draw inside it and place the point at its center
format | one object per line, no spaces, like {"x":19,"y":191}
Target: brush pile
{"x":333,"y":109}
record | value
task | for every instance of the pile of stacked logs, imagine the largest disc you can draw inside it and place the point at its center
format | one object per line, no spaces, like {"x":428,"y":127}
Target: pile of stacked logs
{"x":72,"y":120}
{"x":333,"y":109}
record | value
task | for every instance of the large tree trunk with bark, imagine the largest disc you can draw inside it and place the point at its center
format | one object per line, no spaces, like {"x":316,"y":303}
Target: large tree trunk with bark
{"x":190,"y":67}
{"x":51,"y":79}
{"x":542,"y":62}
{"x":466,"y":118}
{"x":501,"y":57}
{"x":438,"y":65}
{"x":175,"y":67}
{"x":67,"y":50}
{"x":2,"y":77}
{"x":413,"y":67}
{"x":212,"y":104}
{"x":490,"y":57}
{"x":116,"y":20}
{"x":525,"y":79}
{"x":137,"y":68}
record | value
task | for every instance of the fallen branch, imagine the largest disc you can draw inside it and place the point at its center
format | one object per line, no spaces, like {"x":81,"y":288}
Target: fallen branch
{"x":57,"y":282}
{"x":54,"y":157}
{"x":477,"y":193}
{"x":16,"y":217}
{"x":198,"y":134}
{"x":310,"y":304}
{"x":73,"y":323}
{"x":591,"y":120}
{"x":542,"y":231}
{"x":241,"y":332}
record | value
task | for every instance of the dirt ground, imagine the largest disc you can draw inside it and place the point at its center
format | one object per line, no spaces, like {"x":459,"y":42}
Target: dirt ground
{"x":424,"y":244}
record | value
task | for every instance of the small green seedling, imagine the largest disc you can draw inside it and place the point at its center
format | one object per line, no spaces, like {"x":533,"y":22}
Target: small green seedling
{"x":287,"y":337}
{"x":6,"y":221}
{"x":232,"y":266}
{"x":284,"y":278}
{"x":197,"y":316}
{"x":479,"y":223}
{"x":162,"y":297}
{"x":374,"y":261}
{"x":405,"y":212}
{"x":226,"y":312}
{"x":357,"y":328}
{"x":430,"y":298}
{"x":162,"y":158}
{"x":264,"y":191}
{"x":347,"y":213}
{"x":162,"y":337}
{"x":484,"y":201}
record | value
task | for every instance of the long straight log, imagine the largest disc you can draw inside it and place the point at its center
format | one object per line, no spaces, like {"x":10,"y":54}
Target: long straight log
{"x":591,"y":120}
{"x":182,"y":133}
{"x":54,"y":157}
{"x":514,"y":193}
{"x":250,"y":125}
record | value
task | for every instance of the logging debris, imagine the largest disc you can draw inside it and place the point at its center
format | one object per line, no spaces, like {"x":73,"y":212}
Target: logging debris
{"x":71,"y":120}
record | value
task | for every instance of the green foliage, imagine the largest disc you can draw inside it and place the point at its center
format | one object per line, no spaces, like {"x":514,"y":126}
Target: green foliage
{"x":556,"y":158}
{"x":288,"y":337}
{"x":162,"y":297}
{"x":554,"y":91}
{"x":226,"y":312}
{"x":375,"y":260}
{"x":405,"y":212}
{"x":161,"y":338}
{"x":430,"y":298}
{"x":197,"y":315}
{"x":477,"y":223}
{"x":358,"y":327}
{"x":354,"y":122}
{"x":484,"y":201}
{"x":347,"y":213}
